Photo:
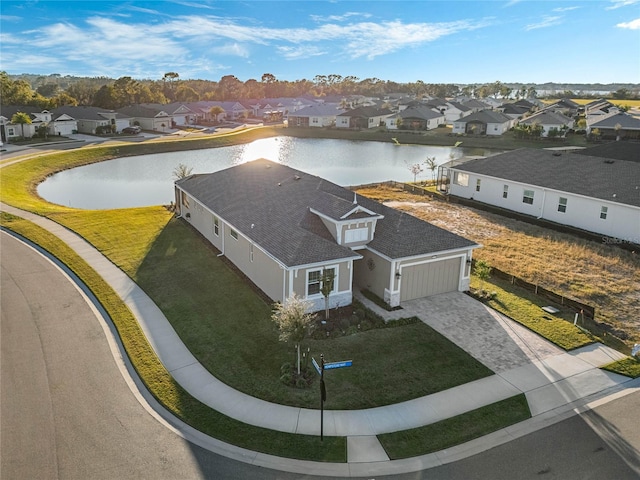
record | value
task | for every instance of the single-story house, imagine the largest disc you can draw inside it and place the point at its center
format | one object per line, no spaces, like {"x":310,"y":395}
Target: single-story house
{"x":153,"y":118}
{"x":589,"y":192}
{"x":549,"y":121}
{"x":321,"y":115}
{"x":362,"y":117}
{"x":284,"y":228}
{"x":485,"y":122}
{"x":419,"y":117}
{"x":455,"y":111}
{"x":89,"y":119}
{"x":566,"y":106}
{"x":615,"y":126}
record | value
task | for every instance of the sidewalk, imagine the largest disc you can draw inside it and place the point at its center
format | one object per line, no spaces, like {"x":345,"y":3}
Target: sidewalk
{"x":555,"y":382}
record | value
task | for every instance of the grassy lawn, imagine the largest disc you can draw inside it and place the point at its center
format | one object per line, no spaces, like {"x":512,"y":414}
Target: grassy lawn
{"x":159,"y":381}
{"x":525,"y":308}
{"x":453,"y":431}
{"x":227,"y":326}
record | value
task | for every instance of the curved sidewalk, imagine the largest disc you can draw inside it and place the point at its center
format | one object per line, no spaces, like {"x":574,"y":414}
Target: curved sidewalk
{"x":554,"y":382}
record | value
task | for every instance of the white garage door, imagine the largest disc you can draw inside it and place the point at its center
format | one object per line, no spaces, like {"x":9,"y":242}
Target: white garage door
{"x":430,"y":279}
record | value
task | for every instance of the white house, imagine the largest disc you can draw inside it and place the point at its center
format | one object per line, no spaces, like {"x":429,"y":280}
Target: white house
{"x":549,"y":121}
{"x":284,"y":229}
{"x":322,"y":115}
{"x":588,"y":192}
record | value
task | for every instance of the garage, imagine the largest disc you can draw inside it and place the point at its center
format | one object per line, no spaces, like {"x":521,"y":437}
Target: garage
{"x":430,"y":278}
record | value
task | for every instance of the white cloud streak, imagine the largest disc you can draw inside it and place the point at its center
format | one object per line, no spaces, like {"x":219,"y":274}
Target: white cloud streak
{"x":621,"y":3}
{"x":547,"y":21}
{"x":632,"y":25}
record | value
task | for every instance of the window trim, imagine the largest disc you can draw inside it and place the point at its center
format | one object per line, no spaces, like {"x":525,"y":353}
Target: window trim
{"x":526,"y":198}
{"x":478,"y":182}
{"x":233,"y":233}
{"x":562,"y":206}
{"x":604,"y":211}
{"x":505,"y":191}
{"x":320,"y":270}
{"x":216,"y":226}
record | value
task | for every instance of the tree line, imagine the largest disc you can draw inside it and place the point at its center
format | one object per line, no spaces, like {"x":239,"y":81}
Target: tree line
{"x":53,"y":91}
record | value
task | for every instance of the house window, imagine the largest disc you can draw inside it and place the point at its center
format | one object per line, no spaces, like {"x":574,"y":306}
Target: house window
{"x":251,"y":253}
{"x":315,"y":120}
{"x":505,"y":191}
{"x":233,"y":233}
{"x":185,"y":199}
{"x":314,"y":280}
{"x":562,"y":205}
{"x":356,"y":235}
{"x":216,"y":226}
{"x":461,"y":179}
{"x":478,"y":185}
{"x":527,"y":197}
{"x":603,"y":212}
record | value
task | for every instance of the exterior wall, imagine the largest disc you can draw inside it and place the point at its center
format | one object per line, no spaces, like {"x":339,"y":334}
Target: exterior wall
{"x":372,"y":273}
{"x":459,"y":127}
{"x":342,"y":294}
{"x":622,"y":221}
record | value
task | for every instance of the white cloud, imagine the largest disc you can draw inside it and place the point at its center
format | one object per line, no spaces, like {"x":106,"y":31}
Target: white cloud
{"x":564,"y":9}
{"x":294,"y":53}
{"x":339,"y":18}
{"x":621,"y":3}
{"x":547,"y":21}
{"x":632,"y":25}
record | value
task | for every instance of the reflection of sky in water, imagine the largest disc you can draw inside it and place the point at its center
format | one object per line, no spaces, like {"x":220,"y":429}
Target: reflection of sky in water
{"x":148,"y":180}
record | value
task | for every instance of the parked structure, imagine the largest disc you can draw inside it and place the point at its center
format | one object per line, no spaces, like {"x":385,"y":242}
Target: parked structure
{"x":284,"y":229}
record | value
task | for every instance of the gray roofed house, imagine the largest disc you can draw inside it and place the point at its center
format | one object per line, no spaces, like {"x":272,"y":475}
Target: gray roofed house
{"x":417,"y":117}
{"x":615,"y":126}
{"x":362,"y":117}
{"x":592,"y":193}
{"x":549,"y":120}
{"x":485,"y":122}
{"x":282,"y":226}
{"x":321,"y":115}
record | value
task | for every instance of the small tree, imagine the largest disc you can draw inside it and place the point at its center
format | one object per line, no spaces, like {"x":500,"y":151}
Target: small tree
{"x":326,"y":287}
{"x":182,"y":171}
{"x":482,"y":270}
{"x":415,"y":169}
{"x":432,"y":165}
{"x":293,"y":321}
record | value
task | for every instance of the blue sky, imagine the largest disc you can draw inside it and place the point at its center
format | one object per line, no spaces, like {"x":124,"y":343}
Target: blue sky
{"x":453,"y":41}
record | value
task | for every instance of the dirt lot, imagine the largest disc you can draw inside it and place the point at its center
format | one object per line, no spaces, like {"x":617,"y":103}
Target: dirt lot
{"x":601,"y":275}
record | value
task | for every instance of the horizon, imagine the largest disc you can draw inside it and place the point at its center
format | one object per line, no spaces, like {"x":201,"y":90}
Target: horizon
{"x":456,"y":42}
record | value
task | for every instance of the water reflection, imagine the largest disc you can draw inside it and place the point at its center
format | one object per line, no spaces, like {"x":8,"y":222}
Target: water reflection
{"x":148,"y":179}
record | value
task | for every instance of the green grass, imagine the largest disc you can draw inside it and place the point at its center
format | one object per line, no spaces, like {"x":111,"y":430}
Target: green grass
{"x":456,"y":430}
{"x":227,"y":326}
{"x":159,"y":381}
{"x":629,"y":367}
{"x":526,"y":309}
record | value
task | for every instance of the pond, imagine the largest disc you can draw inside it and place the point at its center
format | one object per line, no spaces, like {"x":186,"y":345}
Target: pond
{"x":148,"y":179}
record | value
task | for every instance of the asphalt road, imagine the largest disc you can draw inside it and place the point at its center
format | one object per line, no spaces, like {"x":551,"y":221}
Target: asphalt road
{"x":67,"y":412}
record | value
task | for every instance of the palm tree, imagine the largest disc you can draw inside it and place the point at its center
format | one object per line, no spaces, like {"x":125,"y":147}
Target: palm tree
{"x":21,"y":118}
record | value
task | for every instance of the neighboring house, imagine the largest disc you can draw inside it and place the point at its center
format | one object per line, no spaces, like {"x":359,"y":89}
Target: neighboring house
{"x":513,"y":111}
{"x":55,"y":122}
{"x":418,"y":117}
{"x":549,"y":121}
{"x":181,"y":113}
{"x":455,"y":111}
{"x":322,"y":115}
{"x":230,"y":110}
{"x":588,"y":192}
{"x":362,"y":117}
{"x":153,"y":118}
{"x":486,"y":122}
{"x":89,"y":119}
{"x":615,"y":126}
{"x":475,"y":105}
{"x":565,"y":106}
{"x":284,"y":228}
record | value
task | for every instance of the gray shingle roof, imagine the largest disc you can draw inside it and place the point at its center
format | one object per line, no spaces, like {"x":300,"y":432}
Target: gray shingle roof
{"x":625,"y":121}
{"x":591,"y":176}
{"x":268,"y":203}
{"x":485,"y":116}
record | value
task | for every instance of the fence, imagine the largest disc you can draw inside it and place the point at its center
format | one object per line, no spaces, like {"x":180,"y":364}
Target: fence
{"x":587,"y":310}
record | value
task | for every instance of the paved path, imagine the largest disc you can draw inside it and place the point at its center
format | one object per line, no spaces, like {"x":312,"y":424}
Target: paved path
{"x":554,"y":382}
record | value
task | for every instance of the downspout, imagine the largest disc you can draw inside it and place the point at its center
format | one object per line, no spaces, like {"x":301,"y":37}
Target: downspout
{"x":544,"y":197}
